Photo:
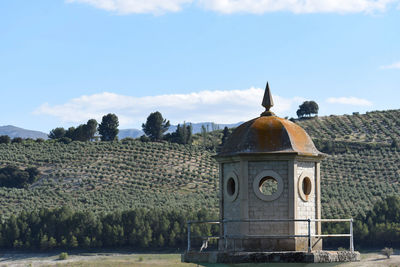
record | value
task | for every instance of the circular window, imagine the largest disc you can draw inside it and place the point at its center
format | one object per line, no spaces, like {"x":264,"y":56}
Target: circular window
{"x":231,"y":186}
{"x":305,"y":186}
{"x":268,"y":185}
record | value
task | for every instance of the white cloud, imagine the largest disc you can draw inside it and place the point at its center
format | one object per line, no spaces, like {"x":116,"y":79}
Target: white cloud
{"x":217,"y":106}
{"x":136,"y":6}
{"x":354,"y":101}
{"x":395,"y":65}
{"x":296,"y":6}
{"x":242,"y":6}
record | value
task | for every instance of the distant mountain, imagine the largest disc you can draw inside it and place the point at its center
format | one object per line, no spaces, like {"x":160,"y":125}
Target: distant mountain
{"x":13,"y":131}
{"x":210,"y":126}
{"x":134,"y":133}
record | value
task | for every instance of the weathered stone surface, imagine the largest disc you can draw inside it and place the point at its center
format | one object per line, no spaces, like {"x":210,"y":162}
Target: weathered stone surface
{"x":336,"y":256}
{"x":265,"y":257}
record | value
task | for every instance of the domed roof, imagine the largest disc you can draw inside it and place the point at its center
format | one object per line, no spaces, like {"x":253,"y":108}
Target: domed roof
{"x":269,"y":134}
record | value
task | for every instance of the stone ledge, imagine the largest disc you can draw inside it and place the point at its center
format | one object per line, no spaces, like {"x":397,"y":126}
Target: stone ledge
{"x":321,"y":256}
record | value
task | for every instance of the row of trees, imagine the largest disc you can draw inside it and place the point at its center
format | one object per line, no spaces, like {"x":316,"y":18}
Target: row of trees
{"x":5,"y":139}
{"x":108,"y":130}
{"x":379,"y":227}
{"x":154,"y":128}
{"x":84,"y":132}
{"x":65,"y":228}
{"x":143,"y":229}
{"x":12,"y":176}
{"x":182,"y":135}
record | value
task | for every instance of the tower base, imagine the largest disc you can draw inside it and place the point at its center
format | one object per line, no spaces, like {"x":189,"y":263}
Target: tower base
{"x":268,"y":244}
{"x":321,"y":256}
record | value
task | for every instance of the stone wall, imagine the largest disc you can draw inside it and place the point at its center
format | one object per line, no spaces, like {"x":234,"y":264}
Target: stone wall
{"x":232,"y":208}
{"x":249,"y":205}
{"x":276,"y":209}
{"x":306,"y":209}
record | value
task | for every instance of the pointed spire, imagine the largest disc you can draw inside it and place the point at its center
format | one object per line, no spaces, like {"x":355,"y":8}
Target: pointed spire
{"x":267,"y":102}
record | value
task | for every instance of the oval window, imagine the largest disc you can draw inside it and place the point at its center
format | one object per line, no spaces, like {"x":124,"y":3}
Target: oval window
{"x":231,"y":186}
{"x":306,"y":186}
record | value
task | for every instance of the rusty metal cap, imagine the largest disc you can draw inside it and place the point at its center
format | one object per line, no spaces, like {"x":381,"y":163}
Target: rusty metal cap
{"x":269,"y":134}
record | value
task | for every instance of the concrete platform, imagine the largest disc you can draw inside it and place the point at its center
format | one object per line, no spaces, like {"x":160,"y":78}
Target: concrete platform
{"x":321,"y":256}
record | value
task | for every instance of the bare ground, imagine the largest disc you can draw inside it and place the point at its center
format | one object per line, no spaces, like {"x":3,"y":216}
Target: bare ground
{"x":17,"y":259}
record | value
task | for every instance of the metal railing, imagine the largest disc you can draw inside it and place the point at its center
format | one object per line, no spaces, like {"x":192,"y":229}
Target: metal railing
{"x":309,"y":235}
{"x":350,"y":234}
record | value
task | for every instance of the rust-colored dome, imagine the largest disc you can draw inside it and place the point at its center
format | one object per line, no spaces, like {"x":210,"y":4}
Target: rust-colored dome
{"x":269,"y":134}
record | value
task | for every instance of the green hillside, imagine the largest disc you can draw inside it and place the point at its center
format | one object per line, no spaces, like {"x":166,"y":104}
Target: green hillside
{"x":376,"y":126}
{"x":363,"y":166}
{"x":105,"y":176}
{"x":353,"y":180}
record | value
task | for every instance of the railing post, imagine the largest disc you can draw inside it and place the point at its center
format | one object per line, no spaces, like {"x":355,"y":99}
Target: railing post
{"x":309,"y":235}
{"x":351,"y":236}
{"x":226,"y":241}
{"x":188,"y":235}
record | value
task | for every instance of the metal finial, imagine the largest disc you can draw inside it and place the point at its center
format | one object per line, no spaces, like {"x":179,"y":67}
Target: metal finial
{"x":267,"y":102}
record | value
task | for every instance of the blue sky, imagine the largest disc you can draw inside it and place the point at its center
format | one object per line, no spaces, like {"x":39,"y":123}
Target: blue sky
{"x":64,"y":62}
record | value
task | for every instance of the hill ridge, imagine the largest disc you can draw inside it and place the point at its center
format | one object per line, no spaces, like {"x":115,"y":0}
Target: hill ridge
{"x":14,"y":131}
{"x":105,"y":176}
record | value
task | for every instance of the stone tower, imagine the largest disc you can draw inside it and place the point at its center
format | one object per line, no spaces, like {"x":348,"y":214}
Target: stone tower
{"x":269,"y":169}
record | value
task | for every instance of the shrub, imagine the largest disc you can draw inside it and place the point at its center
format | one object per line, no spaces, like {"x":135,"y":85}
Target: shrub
{"x":387,"y":252}
{"x":127,"y":140}
{"x":63,"y":256}
{"x":12,"y":176}
{"x":144,"y":138}
{"x":5,"y":139}
{"x":65,"y":140}
{"x":17,"y":140}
